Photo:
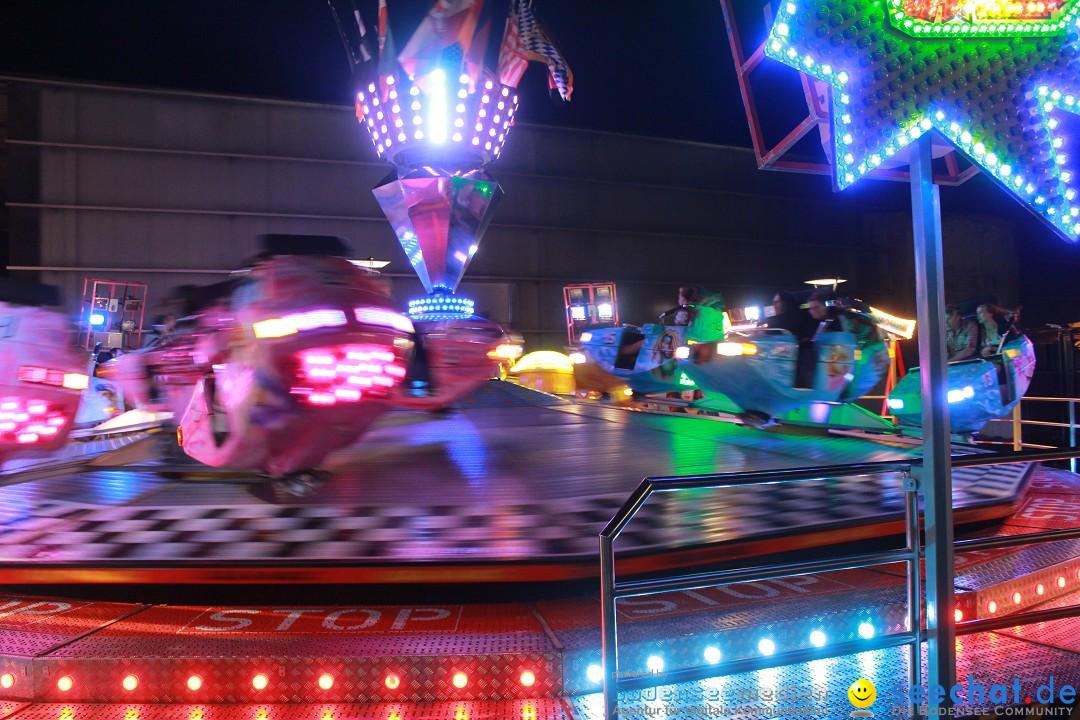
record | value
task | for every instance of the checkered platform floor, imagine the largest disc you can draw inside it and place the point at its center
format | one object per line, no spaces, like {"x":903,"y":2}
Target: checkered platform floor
{"x":517,"y":476}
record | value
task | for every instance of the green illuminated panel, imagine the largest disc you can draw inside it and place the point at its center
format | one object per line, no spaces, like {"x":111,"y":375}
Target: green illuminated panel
{"x":982,"y":18}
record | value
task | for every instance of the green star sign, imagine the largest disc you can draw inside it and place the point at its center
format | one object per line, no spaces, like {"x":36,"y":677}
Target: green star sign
{"x":996,"y":88}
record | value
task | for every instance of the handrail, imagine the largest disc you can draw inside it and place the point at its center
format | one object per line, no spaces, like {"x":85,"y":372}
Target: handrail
{"x":610,"y":591}
{"x":1018,"y":423}
{"x":757,"y":574}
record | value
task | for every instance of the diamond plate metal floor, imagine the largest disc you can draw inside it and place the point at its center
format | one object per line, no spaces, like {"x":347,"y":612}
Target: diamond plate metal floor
{"x":538,"y":709}
{"x":97,"y":645}
{"x":821,"y":685}
{"x":512,"y":485}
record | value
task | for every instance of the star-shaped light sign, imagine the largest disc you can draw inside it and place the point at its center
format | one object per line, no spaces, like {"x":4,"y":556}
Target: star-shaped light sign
{"x":994,"y":79}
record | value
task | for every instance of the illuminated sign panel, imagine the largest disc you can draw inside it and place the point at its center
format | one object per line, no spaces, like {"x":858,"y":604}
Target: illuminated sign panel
{"x":983,"y":10}
{"x":981,"y":18}
{"x":998,"y":89}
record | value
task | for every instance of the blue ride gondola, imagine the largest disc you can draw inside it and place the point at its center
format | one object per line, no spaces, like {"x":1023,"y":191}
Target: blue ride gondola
{"x":645,"y":358}
{"x":979,"y":389}
{"x":760,"y":373}
{"x":766,"y":372}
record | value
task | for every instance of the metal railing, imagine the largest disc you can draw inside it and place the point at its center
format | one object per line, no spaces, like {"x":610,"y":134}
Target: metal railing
{"x":610,"y":590}
{"x":1018,"y":423}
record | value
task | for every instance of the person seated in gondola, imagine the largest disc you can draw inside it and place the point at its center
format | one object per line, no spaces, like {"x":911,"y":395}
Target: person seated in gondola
{"x":961,"y":335}
{"x":819,"y":319}
{"x":786,"y":315}
{"x":855,"y":320}
{"x":702,"y":326}
{"x":692,"y":297}
{"x":995,"y":329}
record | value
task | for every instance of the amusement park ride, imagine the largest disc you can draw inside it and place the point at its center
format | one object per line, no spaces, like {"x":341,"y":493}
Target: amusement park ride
{"x":301,"y":365}
{"x":297,"y":359}
{"x":761,"y":375}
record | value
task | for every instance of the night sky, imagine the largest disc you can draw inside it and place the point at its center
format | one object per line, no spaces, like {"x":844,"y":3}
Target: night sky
{"x":651,"y":68}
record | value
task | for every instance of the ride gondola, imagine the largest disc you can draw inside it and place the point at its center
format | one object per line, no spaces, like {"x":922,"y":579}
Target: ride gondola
{"x":296,"y":357}
{"x":42,"y":373}
{"x":978,"y":390}
{"x":645,"y":358}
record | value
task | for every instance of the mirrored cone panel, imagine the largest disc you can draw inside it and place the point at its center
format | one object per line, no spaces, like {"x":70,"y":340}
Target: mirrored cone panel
{"x":439,"y":217}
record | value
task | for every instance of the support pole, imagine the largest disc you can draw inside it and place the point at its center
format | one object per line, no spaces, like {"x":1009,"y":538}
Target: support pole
{"x":936,"y":479}
{"x":914,"y":588}
{"x":609,"y":638}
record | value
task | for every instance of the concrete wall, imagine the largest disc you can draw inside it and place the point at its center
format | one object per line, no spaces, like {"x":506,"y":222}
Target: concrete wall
{"x":160,"y":182}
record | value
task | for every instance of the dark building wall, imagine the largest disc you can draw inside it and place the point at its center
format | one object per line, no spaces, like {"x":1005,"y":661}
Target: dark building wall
{"x":4,"y":223}
{"x":177,"y":186}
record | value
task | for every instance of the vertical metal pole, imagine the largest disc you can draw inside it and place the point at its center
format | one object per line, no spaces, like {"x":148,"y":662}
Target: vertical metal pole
{"x":609,"y":654}
{"x":914,"y":589}
{"x":1068,"y":354}
{"x":936,"y":479}
{"x":1017,"y":428}
{"x":1072,"y":432}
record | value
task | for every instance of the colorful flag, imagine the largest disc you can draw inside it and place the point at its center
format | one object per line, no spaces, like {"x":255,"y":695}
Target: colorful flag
{"x":364,"y":52}
{"x":448,"y":23}
{"x":384,"y":27}
{"x":512,"y":58}
{"x":539,"y":46}
{"x":387,"y":61}
{"x":474,"y":60}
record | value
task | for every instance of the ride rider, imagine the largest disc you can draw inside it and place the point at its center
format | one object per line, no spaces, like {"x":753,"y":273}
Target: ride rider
{"x":961,"y":335}
{"x":786,"y":314}
{"x":996,"y":328}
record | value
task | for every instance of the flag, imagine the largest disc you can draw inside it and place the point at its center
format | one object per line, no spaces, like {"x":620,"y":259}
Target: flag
{"x":364,"y":52}
{"x":387,"y":61}
{"x":359,"y":54}
{"x":474,"y":60}
{"x":384,"y":28}
{"x":539,"y":46}
{"x":512,"y":58}
{"x":448,"y":27}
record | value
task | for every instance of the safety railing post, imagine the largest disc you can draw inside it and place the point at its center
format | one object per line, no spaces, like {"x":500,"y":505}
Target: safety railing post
{"x":914,"y":584}
{"x":1072,"y":432}
{"x":1017,"y":430}
{"x":609,"y":655}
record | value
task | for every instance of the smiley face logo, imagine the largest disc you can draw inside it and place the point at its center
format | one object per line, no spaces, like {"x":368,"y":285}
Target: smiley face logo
{"x":862,"y":693}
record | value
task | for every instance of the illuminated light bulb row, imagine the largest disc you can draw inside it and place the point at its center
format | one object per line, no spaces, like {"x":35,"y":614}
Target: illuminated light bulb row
{"x":27,"y":421}
{"x":1040,"y":590}
{"x":345,"y":373}
{"x":260,"y":681}
{"x":1066,"y":216}
{"x":712,"y":654}
{"x":441,"y":307}
{"x":986,"y":28}
{"x":481,"y":124}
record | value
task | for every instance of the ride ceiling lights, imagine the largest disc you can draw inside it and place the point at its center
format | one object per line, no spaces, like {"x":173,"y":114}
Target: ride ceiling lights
{"x":441,"y":117}
{"x":995,"y":84}
{"x":453,"y":120}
